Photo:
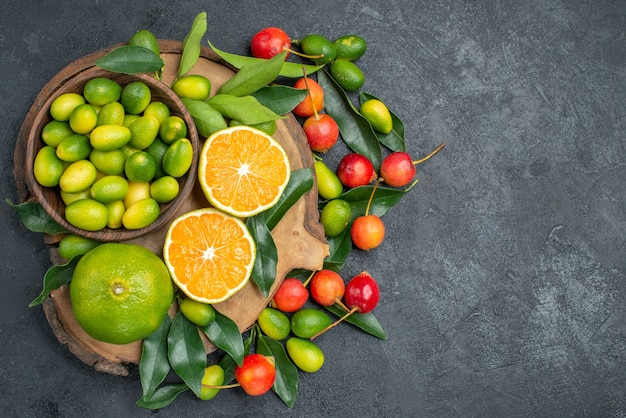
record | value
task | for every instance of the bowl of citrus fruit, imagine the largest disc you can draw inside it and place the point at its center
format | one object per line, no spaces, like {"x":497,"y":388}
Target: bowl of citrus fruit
{"x":112,"y":156}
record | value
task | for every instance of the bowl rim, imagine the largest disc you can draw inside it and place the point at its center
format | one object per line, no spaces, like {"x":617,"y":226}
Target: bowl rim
{"x":34,"y":143}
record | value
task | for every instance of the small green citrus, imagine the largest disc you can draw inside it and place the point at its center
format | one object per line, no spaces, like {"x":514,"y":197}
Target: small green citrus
{"x":48,"y":168}
{"x":193,"y":86}
{"x":62,"y":106}
{"x":347,"y":74}
{"x":199,"y":313}
{"x":305,"y":354}
{"x":335,"y":217}
{"x":136,"y":97}
{"x":274,"y":323}
{"x":72,"y":245}
{"x":350,"y":47}
{"x":100,"y":91}
{"x":378,"y":115}
{"x":54,"y":131}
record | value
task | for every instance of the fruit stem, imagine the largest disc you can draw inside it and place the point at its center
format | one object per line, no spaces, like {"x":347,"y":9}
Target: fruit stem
{"x":369,"y":202}
{"x":234,"y":385}
{"x":421,"y":160}
{"x":342,"y":305}
{"x":301,"y":54}
{"x":350,"y":312}
{"x":308,"y":93}
{"x":306,"y":282}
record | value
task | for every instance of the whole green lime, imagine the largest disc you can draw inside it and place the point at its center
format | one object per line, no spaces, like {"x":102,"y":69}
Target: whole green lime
{"x":320,"y":47}
{"x":347,"y":74}
{"x":120,"y":293}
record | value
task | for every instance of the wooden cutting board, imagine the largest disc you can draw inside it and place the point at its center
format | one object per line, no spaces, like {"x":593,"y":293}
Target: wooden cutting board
{"x":299,"y":236}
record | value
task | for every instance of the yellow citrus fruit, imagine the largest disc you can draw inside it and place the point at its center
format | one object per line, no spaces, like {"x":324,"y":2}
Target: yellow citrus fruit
{"x":136,"y":192}
{"x":213,"y":376}
{"x":78,"y":176}
{"x":100,"y":91}
{"x":157,"y":110}
{"x":74,"y":147}
{"x":350,"y":47}
{"x":109,"y":137}
{"x":54,"y":131}
{"x":116,"y":211}
{"x":111,"y":114}
{"x":328,"y":184}
{"x":172,"y":128}
{"x":178,"y":157}
{"x":143,"y":131}
{"x":48,"y":168}
{"x":83,"y":118}
{"x":108,"y":162}
{"x":378,"y":115}
{"x":199,"y":313}
{"x":243,"y":171}
{"x":140,"y":167}
{"x":305,"y":354}
{"x":193,"y":86}
{"x":87,"y":214}
{"x":210,"y":254}
{"x":146,"y":39}
{"x":120,"y":293}
{"x":347,"y":74}
{"x":62,"y":106}
{"x":136,"y":96}
{"x":164,"y":189}
{"x":68,"y":198}
{"x":72,"y":245}
{"x":141,"y":214}
{"x":109,"y":189}
{"x":274,"y":323}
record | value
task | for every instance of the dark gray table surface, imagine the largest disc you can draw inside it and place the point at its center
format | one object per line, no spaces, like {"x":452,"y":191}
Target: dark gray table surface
{"x":503,"y":272}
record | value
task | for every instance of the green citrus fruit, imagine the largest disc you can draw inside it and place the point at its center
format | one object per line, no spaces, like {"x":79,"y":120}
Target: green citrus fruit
{"x":350,"y":47}
{"x":128,"y":119}
{"x":111,"y":114}
{"x":72,"y":245}
{"x":109,"y":137}
{"x":314,"y":44}
{"x":100,"y":91}
{"x":157,"y":110}
{"x":48,"y":168}
{"x":194,"y":86}
{"x":213,"y":376}
{"x":140,"y":167}
{"x":78,"y":176}
{"x":108,"y":162}
{"x":83,"y":118}
{"x":274,"y":324}
{"x":164,"y":189}
{"x":54,"y":131}
{"x":328,"y":184}
{"x":199,"y":313}
{"x":116,"y":211}
{"x":378,"y":115}
{"x":157,"y":150}
{"x":178,"y":157}
{"x":74,"y":147}
{"x":347,"y":74}
{"x":120,"y":293}
{"x":62,"y":106}
{"x":68,"y":198}
{"x":136,"y":97}
{"x":87,"y":214}
{"x":172,"y":128}
{"x":305,"y":354}
{"x":307,"y":322}
{"x":146,"y":39}
{"x":141,"y":214}
{"x":335,"y":217}
{"x":143,"y":131}
{"x":109,"y":189}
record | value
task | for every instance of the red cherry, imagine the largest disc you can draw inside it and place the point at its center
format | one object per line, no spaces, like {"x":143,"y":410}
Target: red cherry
{"x":269,"y":42}
{"x":256,"y":375}
{"x":362,"y":292}
{"x":321,"y":131}
{"x":355,"y":170}
{"x":327,"y":287}
{"x":367,"y":232}
{"x":313,"y":102}
{"x":290,"y":296}
{"x":397,"y":169}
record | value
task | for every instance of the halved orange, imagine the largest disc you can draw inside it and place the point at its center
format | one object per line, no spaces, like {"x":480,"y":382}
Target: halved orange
{"x":242,"y":170}
{"x":210,"y":254}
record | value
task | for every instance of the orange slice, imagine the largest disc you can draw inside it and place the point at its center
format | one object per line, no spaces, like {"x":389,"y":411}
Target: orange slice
{"x":210,"y":254}
{"x":243,"y":171}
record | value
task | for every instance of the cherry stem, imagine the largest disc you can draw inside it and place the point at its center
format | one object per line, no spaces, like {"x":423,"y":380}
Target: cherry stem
{"x":421,"y":160}
{"x":342,"y":305}
{"x":234,"y":385}
{"x":308,"y":93}
{"x":306,"y":282}
{"x":303,"y":55}
{"x":369,"y":202}
{"x":353,"y":310}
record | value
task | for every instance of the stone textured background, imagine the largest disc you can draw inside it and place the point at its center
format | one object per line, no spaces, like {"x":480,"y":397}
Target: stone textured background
{"x":503,"y":272}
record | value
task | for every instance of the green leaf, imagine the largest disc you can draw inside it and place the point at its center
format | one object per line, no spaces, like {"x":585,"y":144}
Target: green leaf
{"x":191,"y":44}
{"x":252,"y":76}
{"x":367,"y":322}
{"x":186,"y":352}
{"x":131,"y":59}
{"x":289,"y":69}
{"x":264,"y":270}
{"x":55,"y":277}
{"x":300,"y":182}
{"x":208,"y":120}
{"x":35,"y":218}
{"x":228,"y":363}
{"x":280,"y":99}
{"x":393,"y":140}
{"x":384,"y":199}
{"x":162,"y":397}
{"x":286,"y":383}
{"x":225,"y":334}
{"x":355,"y":130}
{"x":154,"y":365}
{"x":340,"y":247}
{"x":246,"y":109}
